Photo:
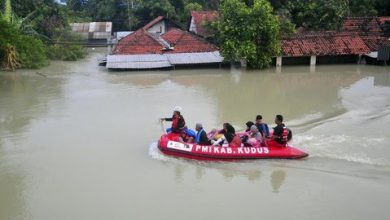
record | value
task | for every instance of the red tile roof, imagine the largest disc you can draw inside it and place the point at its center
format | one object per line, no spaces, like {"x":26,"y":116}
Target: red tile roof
{"x":361,"y":25}
{"x":323,"y":44}
{"x":186,"y":42}
{"x":383,"y":20}
{"x":139,"y":42}
{"x":142,"y":42}
{"x":358,"y":35}
{"x":200,"y":18}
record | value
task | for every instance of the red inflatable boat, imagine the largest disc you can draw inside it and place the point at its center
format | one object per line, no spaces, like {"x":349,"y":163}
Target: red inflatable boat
{"x":169,"y":145}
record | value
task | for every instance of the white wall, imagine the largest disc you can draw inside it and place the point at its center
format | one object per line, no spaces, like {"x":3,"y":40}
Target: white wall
{"x":192,"y":26}
{"x":158,"y":28}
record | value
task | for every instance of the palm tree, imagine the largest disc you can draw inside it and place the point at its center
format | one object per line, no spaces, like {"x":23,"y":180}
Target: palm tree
{"x":11,"y":61}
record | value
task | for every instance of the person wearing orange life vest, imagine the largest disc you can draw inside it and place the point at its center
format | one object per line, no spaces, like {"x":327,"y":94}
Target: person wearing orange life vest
{"x":178,"y":122}
{"x":281,"y":134}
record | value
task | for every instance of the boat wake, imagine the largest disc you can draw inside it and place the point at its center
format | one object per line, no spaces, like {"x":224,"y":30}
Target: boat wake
{"x":155,"y":153}
{"x":343,"y":147}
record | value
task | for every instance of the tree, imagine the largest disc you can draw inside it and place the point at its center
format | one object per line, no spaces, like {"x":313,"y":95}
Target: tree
{"x":150,"y":9}
{"x":383,"y":7}
{"x":17,"y":49}
{"x":362,"y":8}
{"x":77,"y":5}
{"x":193,"y":6}
{"x":318,"y":14}
{"x":279,"y":4}
{"x":248,"y":32}
{"x":115,"y":11}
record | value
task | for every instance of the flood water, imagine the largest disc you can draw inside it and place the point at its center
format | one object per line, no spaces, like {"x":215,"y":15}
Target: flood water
{"x":78,"y":142}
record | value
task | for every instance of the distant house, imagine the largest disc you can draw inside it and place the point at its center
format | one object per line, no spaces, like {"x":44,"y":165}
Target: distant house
{"x":198,"y":21}
{"x":358,"y":39}
{"x":159,"y":25}
{"x":95,"y":33}
{"x":161,"y":44}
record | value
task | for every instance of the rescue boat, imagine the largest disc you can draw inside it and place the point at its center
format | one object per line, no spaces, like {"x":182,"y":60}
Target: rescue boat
{"x":169,"y":145}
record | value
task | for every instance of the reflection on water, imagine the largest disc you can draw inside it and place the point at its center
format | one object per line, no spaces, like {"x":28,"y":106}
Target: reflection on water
{"x":277,"y":179}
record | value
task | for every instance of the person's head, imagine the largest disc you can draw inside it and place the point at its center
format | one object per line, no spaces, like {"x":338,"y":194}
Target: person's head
{"x":258,"y":119}
{"x":249,"y":124}
{"x":229,"y":128}
{"x":278,"y":119}
{"x":198,"y":127}
{"x":254,"y":129}
{"x":177,"y":110}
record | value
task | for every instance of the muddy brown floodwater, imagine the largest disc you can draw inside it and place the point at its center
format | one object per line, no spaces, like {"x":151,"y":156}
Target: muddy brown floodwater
{"x":78,"y":142}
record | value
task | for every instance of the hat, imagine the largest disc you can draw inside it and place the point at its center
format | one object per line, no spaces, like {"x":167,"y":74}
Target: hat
{"x":177,"y":109}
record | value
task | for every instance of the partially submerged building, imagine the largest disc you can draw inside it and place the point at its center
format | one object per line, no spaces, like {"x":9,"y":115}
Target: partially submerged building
{"x":94,"y":33}
{"x":358,"y":41}
{"x":161,"y":44}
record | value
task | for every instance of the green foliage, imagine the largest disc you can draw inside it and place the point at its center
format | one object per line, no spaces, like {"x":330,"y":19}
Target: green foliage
{"x":7,"y":11}
{"x":382,"y":7}
{"x":66,"y":46}
{"x":7,"y":36}
{"x":49,"y":20}
{"x":30,"y":50}
{"x":150,"y":9}
{"x":115,"y":11}
{"x":318,"y":14}
{"x":286,"y":26}
{"x":249,"y":32}
{"x":279,"y":4}
{"x":68,"y":52}
{"x":362,"y":8}
{"x":193,"y":6}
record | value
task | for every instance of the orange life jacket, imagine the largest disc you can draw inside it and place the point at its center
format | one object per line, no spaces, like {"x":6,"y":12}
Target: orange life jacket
{"x":285,"y":135}
{"x":236,"y":142}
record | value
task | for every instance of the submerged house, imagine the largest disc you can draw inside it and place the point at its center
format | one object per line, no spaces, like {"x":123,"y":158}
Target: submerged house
{"x":161,"y":44}
{"x":94,"y":33}
{"x":358,"y":41}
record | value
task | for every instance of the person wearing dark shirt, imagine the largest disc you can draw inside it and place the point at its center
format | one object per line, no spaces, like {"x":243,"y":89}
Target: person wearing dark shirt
{"x":187,"y":135}
{"x":280,"y":135}
{"x":201,"y":136}
{"x":178,"y":122}
{"x":230,"y":135}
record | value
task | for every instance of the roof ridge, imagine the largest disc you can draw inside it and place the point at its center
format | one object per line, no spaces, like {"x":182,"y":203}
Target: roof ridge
{"x":153,"y":37}
{"x":162,"y":41}
{"x":153,"y":22}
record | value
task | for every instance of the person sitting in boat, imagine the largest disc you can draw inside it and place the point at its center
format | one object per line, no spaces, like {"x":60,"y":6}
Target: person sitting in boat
{"x":246,"y":133}
{"x":201,"y":136}
{"x":230,"y":135}
{"x":263,"y":127}
{"x":281,"y":133}
{"x":187,"y":135}
{"x":255,"y":138}
{"x":248,"y":126}
{"x":177,"y":120}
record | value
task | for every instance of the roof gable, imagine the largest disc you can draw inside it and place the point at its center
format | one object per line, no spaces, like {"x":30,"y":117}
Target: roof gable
{"x":153,"y":22}
{"x":199,"y":18}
